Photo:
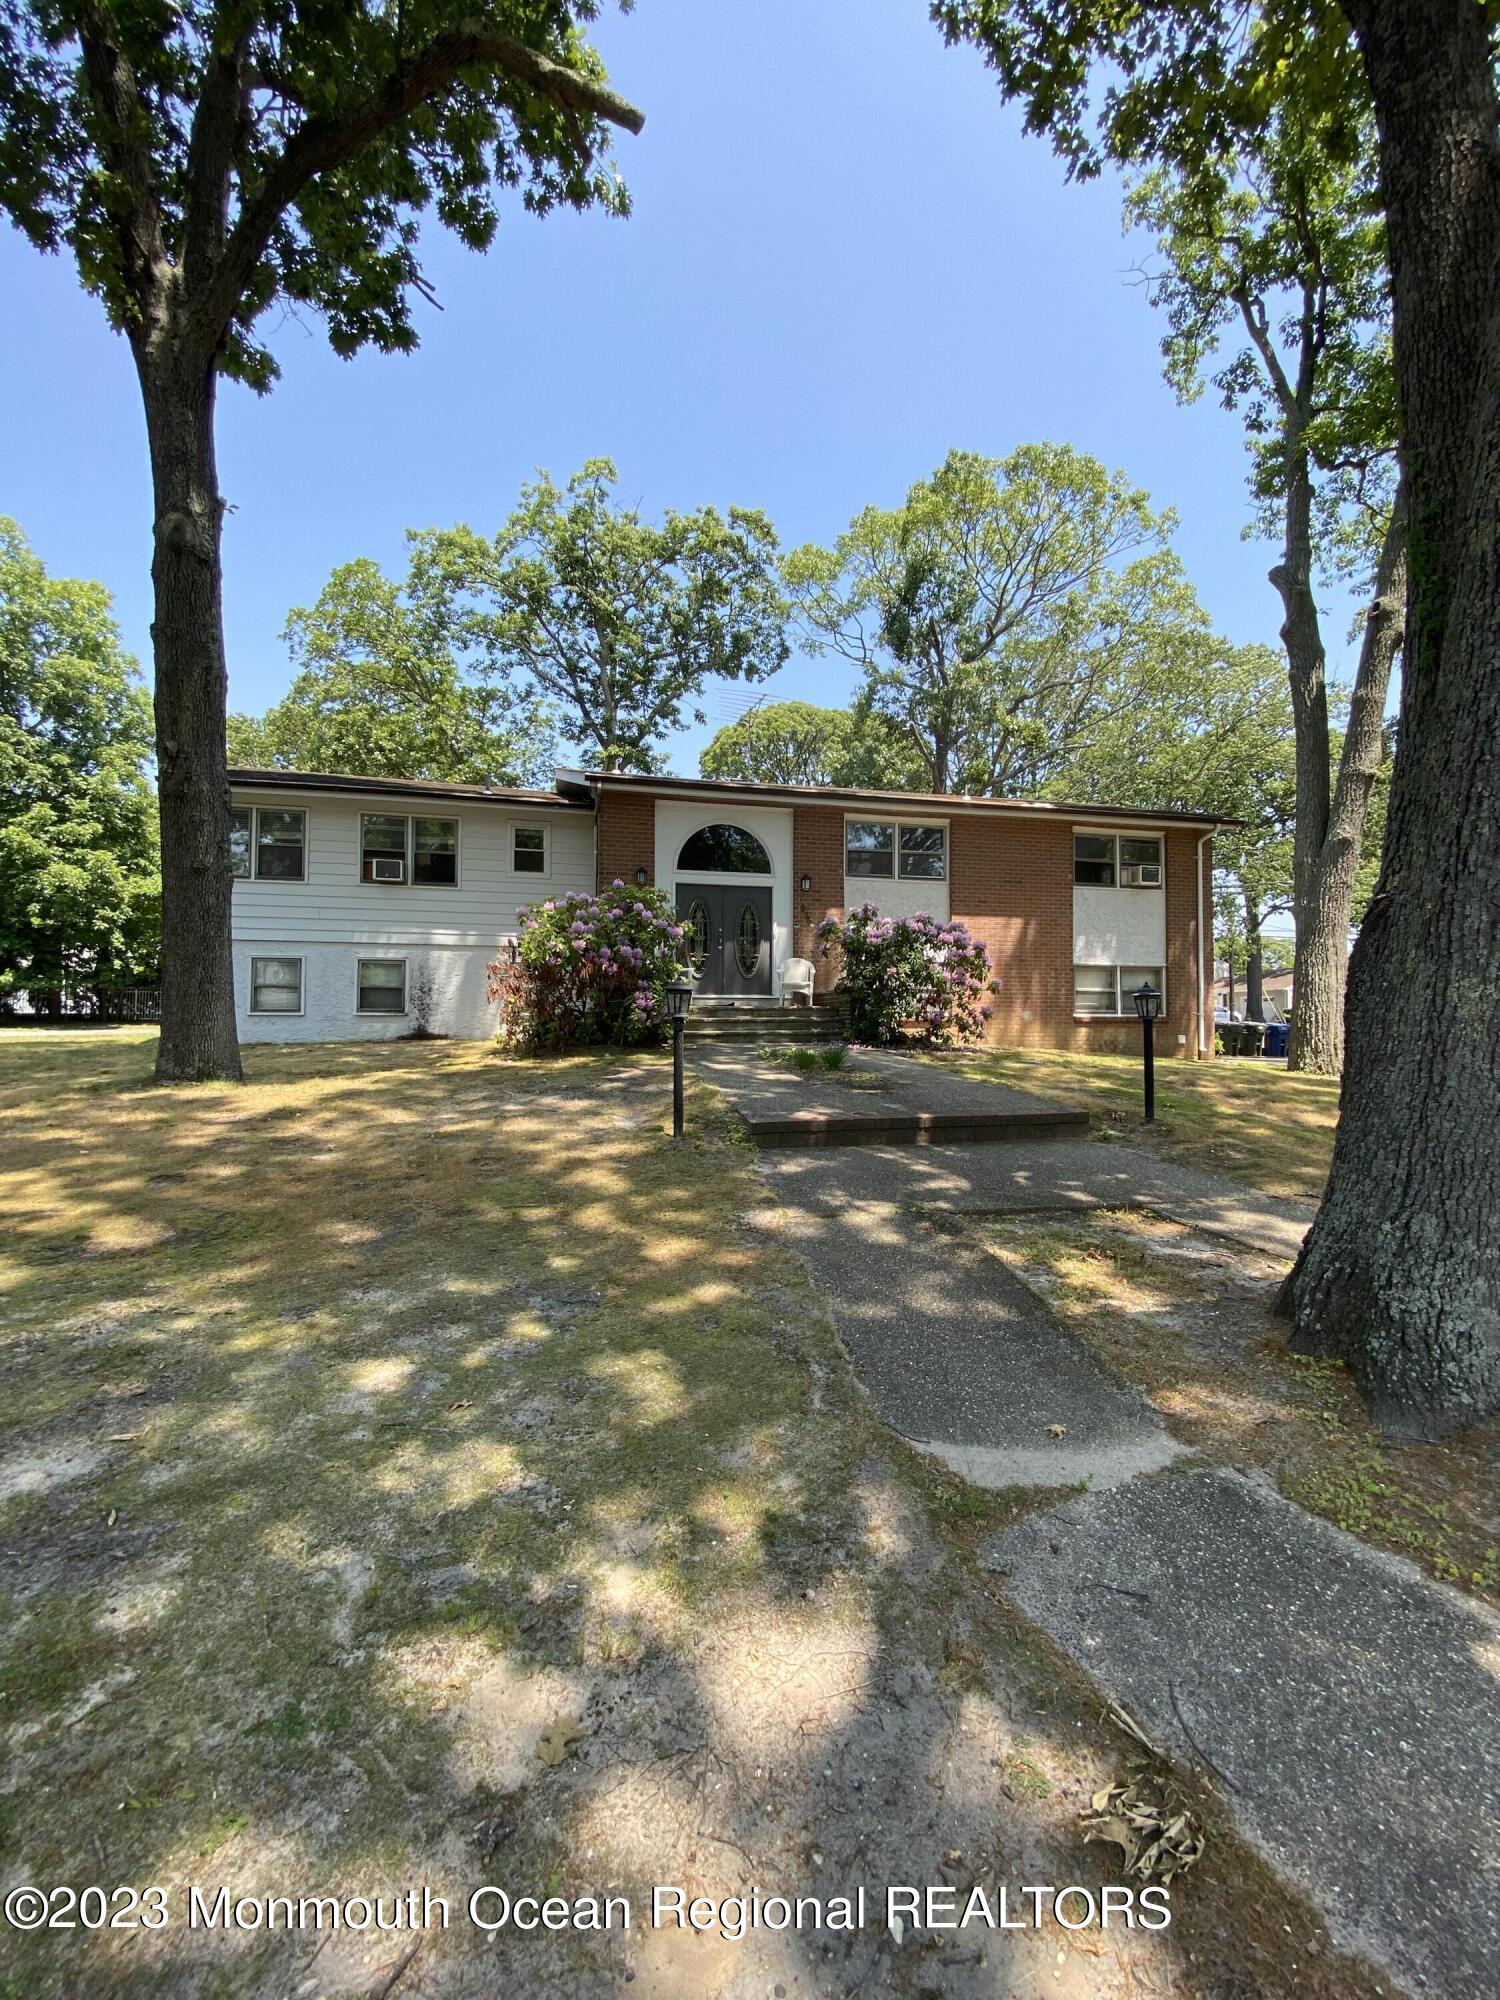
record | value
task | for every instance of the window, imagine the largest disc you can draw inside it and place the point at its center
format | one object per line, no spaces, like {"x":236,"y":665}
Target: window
{"x":382,"y":847}
{"x":869,"y":848}
{"x":528,"y":850}
{"x":382,"y":986}
{"x":275,"y":986}
{"x":923,"y":853}
{"x":1100,"y":860}
{"x":280,"y":842}
{"x":723,"y":850}
{"x":435,"y":852}
{"x":1094,"y":990}
{"x":240,"y":840}
{"x":393,"y":848}
{"x":876,"y":848}
{"x":1094,"y":859}
{"x":1132,"y":978}
{"x":1111,"y":989}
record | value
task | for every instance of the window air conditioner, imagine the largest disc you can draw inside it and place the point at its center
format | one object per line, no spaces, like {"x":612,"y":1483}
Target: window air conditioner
{"x":388,"y":868}
{"x":1146,"y":875}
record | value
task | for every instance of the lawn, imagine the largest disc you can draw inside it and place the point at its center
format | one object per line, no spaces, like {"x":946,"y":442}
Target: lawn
{"x":419,"y":1470}
{"x":1255,"y":1121}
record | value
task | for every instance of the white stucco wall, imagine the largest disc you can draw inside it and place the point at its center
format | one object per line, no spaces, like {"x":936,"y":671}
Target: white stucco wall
{"x":455,"y":978}
{"x":676,"y":819}
{"x":1119,"y":926}
{"x":896,"y":898}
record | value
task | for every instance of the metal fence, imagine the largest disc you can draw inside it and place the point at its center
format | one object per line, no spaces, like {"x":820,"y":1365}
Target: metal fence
{"x":52,"y":1006}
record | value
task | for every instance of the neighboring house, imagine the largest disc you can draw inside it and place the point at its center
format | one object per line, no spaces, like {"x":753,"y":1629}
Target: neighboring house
{"x":1275,"y":986}
{"x":369,"y":907}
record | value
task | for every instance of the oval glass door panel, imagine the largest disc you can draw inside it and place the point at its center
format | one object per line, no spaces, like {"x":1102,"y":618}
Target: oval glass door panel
{"x":747,"y":940}
{"x":696,"y":938}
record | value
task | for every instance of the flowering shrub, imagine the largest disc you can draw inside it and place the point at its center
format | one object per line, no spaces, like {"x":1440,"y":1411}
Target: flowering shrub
{"x":909,"y":979}
{"x":588,"y":969}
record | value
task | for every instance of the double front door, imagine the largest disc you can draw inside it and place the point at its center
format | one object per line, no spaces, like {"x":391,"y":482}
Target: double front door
{"x":728,"y":941}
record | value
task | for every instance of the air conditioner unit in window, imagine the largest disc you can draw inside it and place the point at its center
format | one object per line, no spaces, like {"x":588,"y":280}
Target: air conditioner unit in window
{"x":388,"y":868}
{"x":1147,"y":875}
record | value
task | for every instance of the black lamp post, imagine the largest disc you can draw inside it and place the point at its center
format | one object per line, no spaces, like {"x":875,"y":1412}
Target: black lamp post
{"x":1148,"y":1007}
{"x":679,"y":1000}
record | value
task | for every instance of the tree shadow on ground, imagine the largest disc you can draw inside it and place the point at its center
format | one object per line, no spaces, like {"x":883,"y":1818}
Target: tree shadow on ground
{"x":370,"y":1421}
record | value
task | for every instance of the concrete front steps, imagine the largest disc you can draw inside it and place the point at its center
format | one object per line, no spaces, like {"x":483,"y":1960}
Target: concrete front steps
{"x":912,"y":1128}
{"x":751,"y":1023}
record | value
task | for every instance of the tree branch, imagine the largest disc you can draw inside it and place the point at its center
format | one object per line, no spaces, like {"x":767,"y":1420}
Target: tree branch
{"x":126,"y":151}
{"x":323,"y":144}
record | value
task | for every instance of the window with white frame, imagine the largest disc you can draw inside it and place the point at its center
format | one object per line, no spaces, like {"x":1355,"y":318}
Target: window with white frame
{"x":275,"y":986}
{"x":270,"y":841}
{"x":1111,"y":989}
{"x":1123,"y":860}
{"x":398,"y":848}
{"x":528,"y":850}
{"x":382,"y":986}
{"x":885,"y":849}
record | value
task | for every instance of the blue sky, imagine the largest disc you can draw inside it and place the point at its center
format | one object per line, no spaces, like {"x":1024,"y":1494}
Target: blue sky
{"x":844,"y":259}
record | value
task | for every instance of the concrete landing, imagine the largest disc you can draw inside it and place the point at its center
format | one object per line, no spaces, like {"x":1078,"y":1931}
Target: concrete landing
{"x":1350,"y":1705}
{"x":874,"y":1100}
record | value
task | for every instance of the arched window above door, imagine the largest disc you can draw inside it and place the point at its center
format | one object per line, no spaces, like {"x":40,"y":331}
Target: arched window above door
{"x":723,"y":849}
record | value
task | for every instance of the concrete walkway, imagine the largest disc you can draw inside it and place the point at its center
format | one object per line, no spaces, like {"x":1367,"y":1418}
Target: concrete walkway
{"x":1349,"y":1706}
{"x":873,"y":1099}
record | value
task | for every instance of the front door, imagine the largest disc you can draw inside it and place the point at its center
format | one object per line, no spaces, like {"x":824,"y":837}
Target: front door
{"x":728,"y":940}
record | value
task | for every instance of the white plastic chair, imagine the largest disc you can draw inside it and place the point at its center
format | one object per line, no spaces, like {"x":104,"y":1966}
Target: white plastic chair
{"x":797,"y":977}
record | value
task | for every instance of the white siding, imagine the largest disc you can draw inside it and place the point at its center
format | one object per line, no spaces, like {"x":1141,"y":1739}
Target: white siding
{"x":447,"y":935}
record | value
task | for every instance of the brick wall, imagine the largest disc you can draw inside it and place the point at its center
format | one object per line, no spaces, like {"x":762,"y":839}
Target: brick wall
{"x":817,"y":851}
{"x":625,"y":837}
{"x":1010,"y":881}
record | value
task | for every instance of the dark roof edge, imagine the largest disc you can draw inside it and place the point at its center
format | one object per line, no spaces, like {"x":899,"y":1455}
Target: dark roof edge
{"x":418,"y":788}
{"x":749,"y":788}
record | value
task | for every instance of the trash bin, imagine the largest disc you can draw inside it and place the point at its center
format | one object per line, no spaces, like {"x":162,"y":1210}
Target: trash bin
{"x":1278,"y":1036}
{"x":1252,"y":1035}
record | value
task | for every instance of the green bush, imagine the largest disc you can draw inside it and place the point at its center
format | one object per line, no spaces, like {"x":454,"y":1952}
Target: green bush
{"x":589,"y":969}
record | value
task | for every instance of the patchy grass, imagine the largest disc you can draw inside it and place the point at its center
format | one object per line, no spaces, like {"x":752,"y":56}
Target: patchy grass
{"x":1185,"y":1317}
{"x":807,"y":1059}
{"x":417,"y":1471}
{"x":1254,"y":1121}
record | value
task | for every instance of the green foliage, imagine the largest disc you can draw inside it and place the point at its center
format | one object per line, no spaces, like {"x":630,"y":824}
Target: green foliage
{"x":589,"y":969}
{"x":616,"y":621}
{"x":1208,"y":728}
{"x":995,"y":614}
{"x":383,"y":691}
{"x":80,"y":893}
{"x":1164,"y":79}
{"x":277,"y":153}
{"x":1272,"y":277}
{"x":795,"y":743}
{"x":909,"y":979}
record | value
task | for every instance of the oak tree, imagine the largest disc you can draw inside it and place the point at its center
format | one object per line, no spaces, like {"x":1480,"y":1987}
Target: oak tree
{"x":207,"y":161}
{"x":993,"y":613}
{"x":614,"y":621}
{"x":798,"y":743}
{"x":1400,"y":1273}
{"x":385,"y":689}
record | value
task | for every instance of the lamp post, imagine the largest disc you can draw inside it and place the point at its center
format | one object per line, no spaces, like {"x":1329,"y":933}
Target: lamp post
{"x":1148,"y":1007}
{"x":679,"y":1000}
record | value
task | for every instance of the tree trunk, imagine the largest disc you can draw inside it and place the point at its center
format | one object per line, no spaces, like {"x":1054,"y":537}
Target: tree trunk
{"x":198,"y":1038}
{"x":1400,"y":1274}
{"x":1326,"y":888}
{"x":1255,"y":965}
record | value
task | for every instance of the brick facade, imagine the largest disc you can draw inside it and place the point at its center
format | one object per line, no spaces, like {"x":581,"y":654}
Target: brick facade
{"x":625,"y":837}
{"x":1010,"y":881}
